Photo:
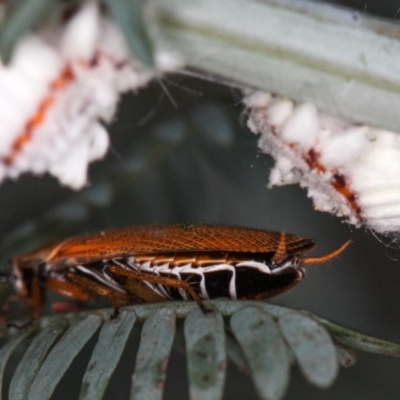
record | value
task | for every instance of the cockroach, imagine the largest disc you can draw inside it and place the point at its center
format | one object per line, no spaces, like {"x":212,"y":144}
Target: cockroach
{"x":160,"y":263}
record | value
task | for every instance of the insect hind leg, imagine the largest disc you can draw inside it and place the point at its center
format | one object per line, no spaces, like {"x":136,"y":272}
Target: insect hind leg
{"x":93,"y":288}
{"x":118,"y":271}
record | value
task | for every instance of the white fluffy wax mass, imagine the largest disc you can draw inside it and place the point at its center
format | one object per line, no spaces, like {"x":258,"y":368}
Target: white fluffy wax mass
{"x":350,"y":171}
{"x":58,"y":86}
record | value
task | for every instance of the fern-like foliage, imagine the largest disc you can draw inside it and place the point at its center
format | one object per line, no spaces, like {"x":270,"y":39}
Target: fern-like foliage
{"x":263,"y":341}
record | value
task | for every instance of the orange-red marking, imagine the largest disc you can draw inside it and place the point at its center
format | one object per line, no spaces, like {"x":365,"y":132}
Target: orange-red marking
{"x":37,"y":119}
{"x":338,"y":181}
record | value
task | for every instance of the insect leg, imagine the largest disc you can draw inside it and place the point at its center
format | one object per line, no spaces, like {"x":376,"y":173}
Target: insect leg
{"x":37,"y":298}
{"x":66,"y":289}
{"x":35,"y":302}
{"x":91,"y":287}
{"x":142,"y":276}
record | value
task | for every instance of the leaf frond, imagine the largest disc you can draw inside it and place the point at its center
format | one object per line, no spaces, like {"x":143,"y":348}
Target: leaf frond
{"x":261,"y":339}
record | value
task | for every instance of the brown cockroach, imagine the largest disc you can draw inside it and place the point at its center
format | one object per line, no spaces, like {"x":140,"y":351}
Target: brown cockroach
{"x":160,"y":263}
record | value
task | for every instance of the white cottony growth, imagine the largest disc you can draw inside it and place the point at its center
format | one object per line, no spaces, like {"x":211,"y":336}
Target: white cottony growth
{"x":351,"y":171}
{"x":58,"y":86}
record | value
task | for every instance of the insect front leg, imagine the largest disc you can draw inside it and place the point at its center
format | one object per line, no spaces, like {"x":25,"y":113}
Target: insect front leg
{"x":37,"y":297}
{"x":66,"y":289}
{"x":34,"y":301}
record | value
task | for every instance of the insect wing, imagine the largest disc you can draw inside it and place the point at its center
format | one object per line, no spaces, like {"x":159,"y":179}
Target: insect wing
{"x":175,"y":238}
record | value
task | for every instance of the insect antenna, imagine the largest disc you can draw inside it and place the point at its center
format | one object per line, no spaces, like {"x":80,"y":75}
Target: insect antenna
{"x":325,"y":257}
{"x":280,"y":252}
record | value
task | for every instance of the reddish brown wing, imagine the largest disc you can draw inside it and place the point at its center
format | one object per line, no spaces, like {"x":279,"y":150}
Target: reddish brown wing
{"x":172,"y":238}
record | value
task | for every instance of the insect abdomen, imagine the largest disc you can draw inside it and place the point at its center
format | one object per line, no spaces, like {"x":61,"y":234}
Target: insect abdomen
{"x":209,"y":275}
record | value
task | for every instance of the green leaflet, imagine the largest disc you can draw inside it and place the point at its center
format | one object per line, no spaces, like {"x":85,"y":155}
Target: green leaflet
{"x":33,"y":358}
{"x":110,"y":345}
{"x":128,"y":14}
{"x":23,"y":19}
{"x":152,"y":359}
{"x":266,"y":352}
{"x":7,"y":350}
{"x":261,"y":339}
{"x":62,"y":355}
{"x":312,"y":347}
{"x":205,"y":347}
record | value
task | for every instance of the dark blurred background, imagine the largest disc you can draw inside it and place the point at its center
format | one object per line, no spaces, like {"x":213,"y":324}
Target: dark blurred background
{"x":181,"y":152}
